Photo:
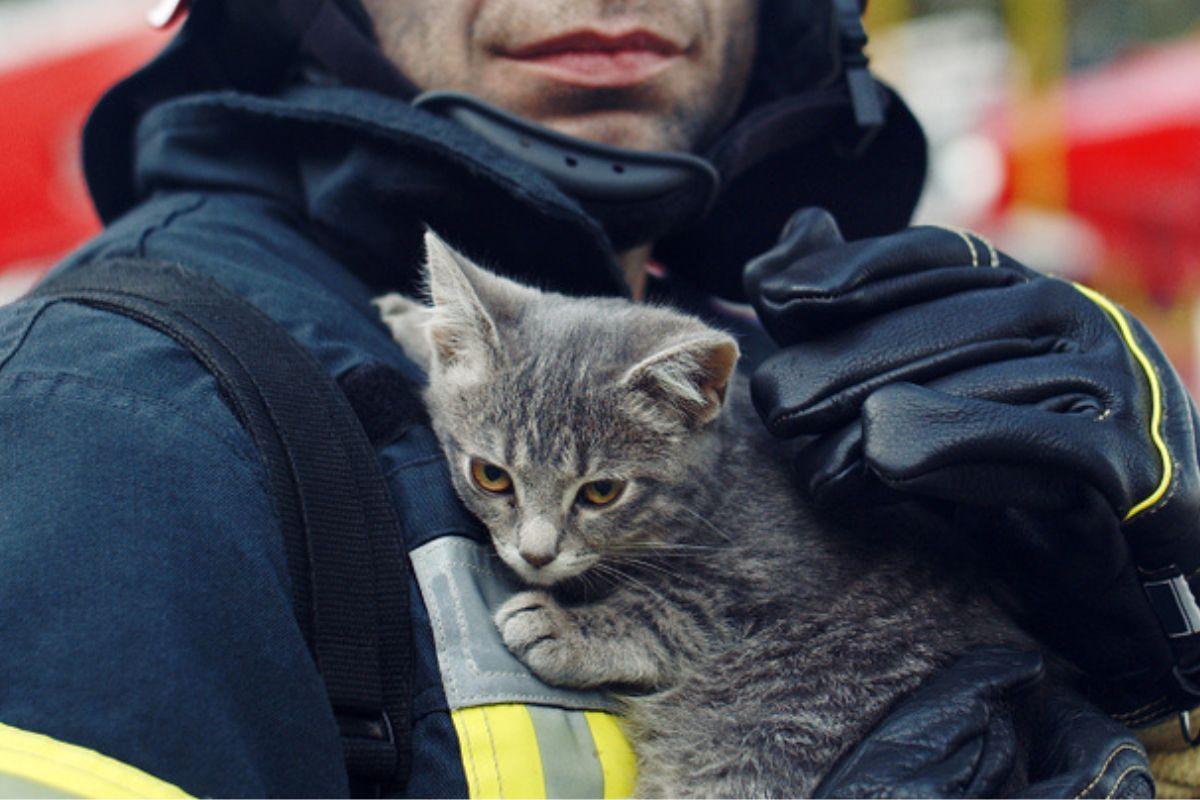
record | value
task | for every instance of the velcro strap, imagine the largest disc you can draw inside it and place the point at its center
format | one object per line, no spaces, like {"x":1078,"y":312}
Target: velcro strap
{"x":1175,"y":605}
{"x":369,"y":744}
{"x":342,"y":537}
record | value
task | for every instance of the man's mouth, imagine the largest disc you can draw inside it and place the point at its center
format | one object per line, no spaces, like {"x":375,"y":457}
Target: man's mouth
{"x":593,"y":59}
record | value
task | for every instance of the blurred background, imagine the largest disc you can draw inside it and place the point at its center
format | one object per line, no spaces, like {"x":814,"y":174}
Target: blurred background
{"x":1068,"y":131}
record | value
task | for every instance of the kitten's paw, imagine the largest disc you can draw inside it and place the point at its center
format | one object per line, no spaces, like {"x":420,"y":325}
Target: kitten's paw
{"x":542,"y":634}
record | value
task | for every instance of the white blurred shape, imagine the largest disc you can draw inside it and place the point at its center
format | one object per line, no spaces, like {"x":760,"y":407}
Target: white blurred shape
{"x":953,"y":68}
{"x":1055,"y":243}
{"x":969,"y":173}
{"x":31,"y":30}
{"x":17,"y":279}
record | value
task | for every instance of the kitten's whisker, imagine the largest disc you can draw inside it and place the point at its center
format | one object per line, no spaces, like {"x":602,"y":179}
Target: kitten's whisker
{"x":657,"y":554}
{"x":709,"y":523}
{"x":651,"y":572}
{"x":585,"y":580}
{"x":649,"y":565}
{"x":643,"y":586}
{"x":621,"y":574}
{"x":665,"y":546}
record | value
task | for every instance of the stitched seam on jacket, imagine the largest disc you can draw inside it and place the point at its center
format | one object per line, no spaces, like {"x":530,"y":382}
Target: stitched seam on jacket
{"x":166,"y":221}
{"x":56,"y":379}
{"x":495,"y":760}
{"x":24,"y":335}
{"x":1104,"y":769}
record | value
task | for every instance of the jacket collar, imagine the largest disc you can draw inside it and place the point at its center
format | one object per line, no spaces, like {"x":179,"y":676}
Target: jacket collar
{"x":361,"y":155}
{"x":367,"y":171}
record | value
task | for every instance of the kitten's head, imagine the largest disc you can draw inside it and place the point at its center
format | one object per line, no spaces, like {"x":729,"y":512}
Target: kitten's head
{"x":574,"y":427}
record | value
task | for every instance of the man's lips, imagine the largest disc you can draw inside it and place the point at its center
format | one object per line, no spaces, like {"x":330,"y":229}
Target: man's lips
{"x":590,"y":58}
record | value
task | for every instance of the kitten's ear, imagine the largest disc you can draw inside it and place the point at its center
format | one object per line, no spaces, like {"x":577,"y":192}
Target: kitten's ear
{"x":686,"y":381}
{"x":461,"y":331}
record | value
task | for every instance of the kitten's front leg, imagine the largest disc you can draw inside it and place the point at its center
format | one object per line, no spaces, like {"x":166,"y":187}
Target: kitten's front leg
{"x":580,"y":648}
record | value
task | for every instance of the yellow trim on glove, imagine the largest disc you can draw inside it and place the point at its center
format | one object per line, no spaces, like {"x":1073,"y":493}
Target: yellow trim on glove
{"x":74,"y":771}
{"x":1156,"y":400}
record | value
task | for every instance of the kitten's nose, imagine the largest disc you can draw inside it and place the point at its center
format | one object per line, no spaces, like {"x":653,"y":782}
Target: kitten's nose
{"x":536,"y":558}
{"x":537,"y":541}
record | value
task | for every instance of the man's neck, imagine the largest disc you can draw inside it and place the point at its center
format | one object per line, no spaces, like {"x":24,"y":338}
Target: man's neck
{"x":633,"y":264}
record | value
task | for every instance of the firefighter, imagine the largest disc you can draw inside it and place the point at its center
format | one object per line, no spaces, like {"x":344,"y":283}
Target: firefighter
{"x":293,"y":151}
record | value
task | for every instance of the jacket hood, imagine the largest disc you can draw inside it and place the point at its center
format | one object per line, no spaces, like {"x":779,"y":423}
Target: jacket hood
{"x":794,"y":141}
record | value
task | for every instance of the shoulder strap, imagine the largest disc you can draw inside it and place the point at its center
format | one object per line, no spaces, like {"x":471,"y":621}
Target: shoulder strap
{"x":349,"y":574}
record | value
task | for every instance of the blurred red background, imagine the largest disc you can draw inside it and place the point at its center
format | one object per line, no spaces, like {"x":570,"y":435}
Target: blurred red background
{"x":56,"y":59}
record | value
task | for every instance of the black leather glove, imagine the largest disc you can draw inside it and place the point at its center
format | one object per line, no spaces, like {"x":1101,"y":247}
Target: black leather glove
{"x":986,"y":726}
{"x":1034,"y":416}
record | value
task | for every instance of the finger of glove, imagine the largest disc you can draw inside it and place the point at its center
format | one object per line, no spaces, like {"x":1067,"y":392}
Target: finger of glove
{"x":989,"y":453}
{"x":807,"y":231}
{"x":1082,"y":752}
{"x":1103,"y":385}
{"x":831,"y":470}
{"x":800,"y":295}
{"x":812,"y":386}
{"x":953,"y":737}
{"x":812,"y":389}
{"x":831,"y":466}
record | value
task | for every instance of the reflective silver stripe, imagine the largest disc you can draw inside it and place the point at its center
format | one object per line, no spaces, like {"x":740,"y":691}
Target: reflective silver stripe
{"x":1187,"y":603}
{"x":1175,"y":605}
{"x":462,"y":586}
{"x":13,"y":786}
{"x":569,"y":762}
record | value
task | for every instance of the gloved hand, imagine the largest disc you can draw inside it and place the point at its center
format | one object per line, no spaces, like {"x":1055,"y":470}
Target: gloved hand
{"x":989,"y":726}
{"x":1034,"y":415}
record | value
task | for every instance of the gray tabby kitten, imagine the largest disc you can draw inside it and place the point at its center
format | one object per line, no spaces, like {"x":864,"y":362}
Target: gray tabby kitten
{"x":614,"y":455}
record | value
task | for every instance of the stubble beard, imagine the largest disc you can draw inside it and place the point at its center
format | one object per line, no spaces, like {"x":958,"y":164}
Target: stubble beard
{"x":647,"y":117}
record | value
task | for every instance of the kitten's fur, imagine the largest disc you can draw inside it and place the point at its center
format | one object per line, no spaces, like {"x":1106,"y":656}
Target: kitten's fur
{"x":751,"y":641}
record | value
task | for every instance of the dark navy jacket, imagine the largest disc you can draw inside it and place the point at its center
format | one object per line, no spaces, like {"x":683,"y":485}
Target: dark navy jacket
{"x":146,"y":609}
{"x":146,"y":603}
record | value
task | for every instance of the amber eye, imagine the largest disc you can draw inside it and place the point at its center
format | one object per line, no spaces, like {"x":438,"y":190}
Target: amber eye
{"x":490,"y":478}
{"x":601,"y":493}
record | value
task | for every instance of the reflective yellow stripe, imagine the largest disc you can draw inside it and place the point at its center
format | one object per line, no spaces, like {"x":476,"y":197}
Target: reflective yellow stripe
{"x":1156,"y":402}
{"x":615,"y":754}
{"x":74,"y":770}
{"x":499,"y":751}
{"x":501,"y":758}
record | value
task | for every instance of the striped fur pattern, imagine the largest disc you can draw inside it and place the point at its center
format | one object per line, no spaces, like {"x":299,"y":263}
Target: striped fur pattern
{"x":750,"y":639}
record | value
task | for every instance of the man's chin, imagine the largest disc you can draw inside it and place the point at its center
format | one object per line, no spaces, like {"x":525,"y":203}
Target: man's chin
{"x":628,"y":129}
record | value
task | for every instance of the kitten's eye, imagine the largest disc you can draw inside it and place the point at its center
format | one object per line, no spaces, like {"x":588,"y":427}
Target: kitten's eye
{"x":601,"y":493}
{"x":490,"y":478}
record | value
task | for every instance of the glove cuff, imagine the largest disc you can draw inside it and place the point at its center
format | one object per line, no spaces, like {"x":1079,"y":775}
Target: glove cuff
{"x":1172,"y":596}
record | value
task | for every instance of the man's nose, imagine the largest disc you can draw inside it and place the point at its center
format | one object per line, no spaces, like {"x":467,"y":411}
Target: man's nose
{"x":538,"y":543}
